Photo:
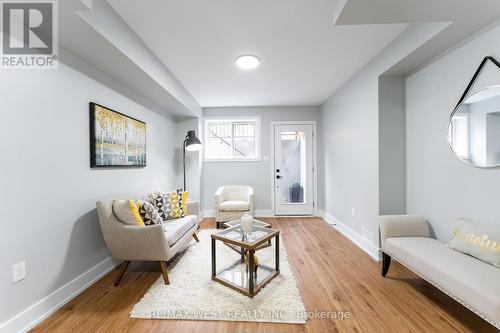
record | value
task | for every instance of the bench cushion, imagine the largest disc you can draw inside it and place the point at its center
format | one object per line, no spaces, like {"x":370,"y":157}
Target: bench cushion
{"x":175,"y":229}
{"x":474,"y":283}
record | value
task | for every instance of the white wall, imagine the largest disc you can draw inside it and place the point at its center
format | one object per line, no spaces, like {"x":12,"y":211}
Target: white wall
{"x":349,"y":127}
{"x":255,"y":173}
{"x":48,"y":191}
{"x":439,"y":186}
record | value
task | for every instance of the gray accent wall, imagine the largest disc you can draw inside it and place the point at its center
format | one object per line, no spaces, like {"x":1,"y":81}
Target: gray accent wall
{"x":48,"y":190}
{"x":439,"y":186}
{"x":391,"y":145}
{"x":350,"y":137}
{"x":254,"y":173}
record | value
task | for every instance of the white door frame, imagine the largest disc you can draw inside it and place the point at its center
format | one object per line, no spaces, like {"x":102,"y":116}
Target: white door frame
{"x":315,"y":160}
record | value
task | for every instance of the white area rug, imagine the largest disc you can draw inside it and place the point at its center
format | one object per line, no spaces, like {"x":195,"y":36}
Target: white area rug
{"x":193,"y":295}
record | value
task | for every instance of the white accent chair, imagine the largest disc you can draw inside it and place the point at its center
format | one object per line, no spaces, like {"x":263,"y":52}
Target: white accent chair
{"x":232,"y":201}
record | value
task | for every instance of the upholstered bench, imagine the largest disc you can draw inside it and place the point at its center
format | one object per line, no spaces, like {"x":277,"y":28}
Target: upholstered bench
{"x":468,"y":280}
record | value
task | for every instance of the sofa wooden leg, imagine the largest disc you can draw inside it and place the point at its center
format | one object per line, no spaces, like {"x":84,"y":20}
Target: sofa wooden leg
{"x":120,"y":274}
{"x":196,"y":238}
{"x":218,"y":225}
{"x":164,"y":271}
{"x":386,"y":262}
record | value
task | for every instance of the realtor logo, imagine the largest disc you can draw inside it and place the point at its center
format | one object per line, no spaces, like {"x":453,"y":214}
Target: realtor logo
{"x":29,"y":34}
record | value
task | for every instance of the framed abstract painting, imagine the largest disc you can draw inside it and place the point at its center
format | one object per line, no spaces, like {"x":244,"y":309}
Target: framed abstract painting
{"x":116,"y":140}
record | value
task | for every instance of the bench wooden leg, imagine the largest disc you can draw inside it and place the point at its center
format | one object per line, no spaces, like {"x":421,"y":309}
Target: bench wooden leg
{"x":196,"y":238}
{"x":386,"y":262}
{"x":164,"y":271}
{"x":120,"y":274}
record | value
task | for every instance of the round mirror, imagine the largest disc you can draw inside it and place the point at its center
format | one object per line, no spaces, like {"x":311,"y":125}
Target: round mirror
{"x":474,"y":129}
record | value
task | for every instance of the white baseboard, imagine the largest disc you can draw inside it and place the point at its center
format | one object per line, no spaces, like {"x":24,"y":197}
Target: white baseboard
{"x":258,"y":213}
{"x":372,"y":250}
{"x":264,"y":213}
{"x":37,"y":312}
{"x":207,"y":213}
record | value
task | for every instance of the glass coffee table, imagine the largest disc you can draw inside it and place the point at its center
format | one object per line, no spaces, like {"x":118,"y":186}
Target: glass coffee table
{"x":256,"y":223}
{"x":246,"y":275}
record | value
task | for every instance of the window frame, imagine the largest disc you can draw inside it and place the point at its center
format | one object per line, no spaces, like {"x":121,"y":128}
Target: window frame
{"x":233,"y":120}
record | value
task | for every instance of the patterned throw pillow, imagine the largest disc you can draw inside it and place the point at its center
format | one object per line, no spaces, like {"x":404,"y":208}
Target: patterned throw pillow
{"x":168,"y":204}
{"x":149,"y":213}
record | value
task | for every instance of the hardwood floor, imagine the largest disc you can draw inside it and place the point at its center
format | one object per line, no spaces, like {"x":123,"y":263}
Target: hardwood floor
{"x":332,"y":273}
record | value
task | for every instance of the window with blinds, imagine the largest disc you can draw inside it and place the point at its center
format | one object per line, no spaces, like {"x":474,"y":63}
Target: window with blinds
{"x":232,"y":139}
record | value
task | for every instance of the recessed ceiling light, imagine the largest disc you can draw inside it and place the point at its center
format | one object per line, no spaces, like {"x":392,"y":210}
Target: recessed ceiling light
{"x":247,"y":62}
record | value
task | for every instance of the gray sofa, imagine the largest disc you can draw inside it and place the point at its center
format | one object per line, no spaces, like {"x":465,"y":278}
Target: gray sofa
{"x":468,"y":280}
{"x":151,"y":243}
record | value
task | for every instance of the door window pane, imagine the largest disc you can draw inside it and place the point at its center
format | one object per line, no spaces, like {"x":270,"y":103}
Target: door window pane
{"x":293,"y":167}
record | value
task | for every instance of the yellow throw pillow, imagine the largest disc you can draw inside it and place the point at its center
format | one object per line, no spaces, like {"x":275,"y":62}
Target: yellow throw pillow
{"x":479,"y":240}
{"x":134,"y":209}
{"x":184,"y":203}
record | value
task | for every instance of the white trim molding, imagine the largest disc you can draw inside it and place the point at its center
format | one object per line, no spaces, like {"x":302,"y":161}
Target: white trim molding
{"x":37,"y":312}
{"x":372,"y":250}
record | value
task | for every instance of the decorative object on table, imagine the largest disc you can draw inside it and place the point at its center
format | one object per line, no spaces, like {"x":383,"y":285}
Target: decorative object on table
{"x":240,"y":274}
{"x":255,"y":262}
{"x":191,"y":143}
{"x":191,"y":288}
{"x":246,"y":224}
{"x":475,"y":122}
{"x":116,"y":140}
{"x":232,"y":201}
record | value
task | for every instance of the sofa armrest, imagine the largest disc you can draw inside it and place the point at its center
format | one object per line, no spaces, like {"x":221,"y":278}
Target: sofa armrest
{"x":136,"y":243}
{"x":402,"y":226}
{"x":193,"y":208}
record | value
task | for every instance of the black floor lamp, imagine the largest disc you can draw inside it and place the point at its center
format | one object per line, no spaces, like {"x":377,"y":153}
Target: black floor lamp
{"x":191,"y":143}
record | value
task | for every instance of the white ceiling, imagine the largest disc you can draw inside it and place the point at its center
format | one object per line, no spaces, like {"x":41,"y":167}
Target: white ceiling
{"x":305,"y":58}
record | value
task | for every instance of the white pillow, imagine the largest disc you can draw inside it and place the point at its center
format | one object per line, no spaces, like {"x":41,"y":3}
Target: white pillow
{"x":127,"y":212}
{"x":479,"y":240}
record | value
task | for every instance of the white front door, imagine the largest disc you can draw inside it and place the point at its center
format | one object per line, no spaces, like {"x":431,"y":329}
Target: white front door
{"x":293,"y":169}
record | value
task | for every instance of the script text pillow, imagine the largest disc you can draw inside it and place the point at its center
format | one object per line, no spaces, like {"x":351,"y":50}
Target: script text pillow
{"x":479,"y":240}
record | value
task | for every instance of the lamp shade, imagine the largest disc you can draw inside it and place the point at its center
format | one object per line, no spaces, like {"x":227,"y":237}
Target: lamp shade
{"x":192,"y":142}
